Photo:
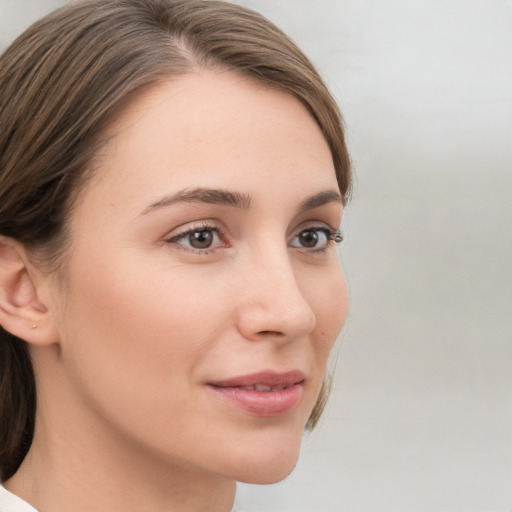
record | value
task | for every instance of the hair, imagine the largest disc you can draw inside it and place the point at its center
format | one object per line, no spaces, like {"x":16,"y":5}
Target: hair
{"x":66,"y":79}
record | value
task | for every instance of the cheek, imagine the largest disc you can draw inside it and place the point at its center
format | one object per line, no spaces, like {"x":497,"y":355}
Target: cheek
{"x":132,"y":336}
{"x":330,"y":303}
{"x":329,"y":299}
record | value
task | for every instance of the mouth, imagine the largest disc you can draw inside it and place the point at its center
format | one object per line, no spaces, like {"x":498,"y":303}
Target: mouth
{"x":262,"y":388}
{"x":265,"y":394}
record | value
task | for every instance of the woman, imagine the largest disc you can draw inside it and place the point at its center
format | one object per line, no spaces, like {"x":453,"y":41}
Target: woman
{"x":172,"y":177}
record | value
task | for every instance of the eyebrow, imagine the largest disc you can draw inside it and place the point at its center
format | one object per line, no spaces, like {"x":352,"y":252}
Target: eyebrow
{"x":320,"y":199}
{"x":236,"y":199}
{"x":203,"y":195}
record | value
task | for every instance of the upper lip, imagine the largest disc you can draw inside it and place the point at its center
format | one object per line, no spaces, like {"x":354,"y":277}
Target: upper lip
{"x":266,"y":378}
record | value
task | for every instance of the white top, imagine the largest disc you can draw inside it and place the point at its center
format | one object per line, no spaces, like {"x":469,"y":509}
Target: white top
{"x":9,"y":502}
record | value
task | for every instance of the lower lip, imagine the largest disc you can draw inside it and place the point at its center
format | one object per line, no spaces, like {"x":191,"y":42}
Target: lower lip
{"x":266,"y":404}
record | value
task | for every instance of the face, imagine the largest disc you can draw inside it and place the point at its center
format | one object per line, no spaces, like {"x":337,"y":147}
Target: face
{"x":203,"y":292}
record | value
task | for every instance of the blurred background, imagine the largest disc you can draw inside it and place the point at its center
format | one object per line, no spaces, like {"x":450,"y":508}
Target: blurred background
{"x":420,"y":418}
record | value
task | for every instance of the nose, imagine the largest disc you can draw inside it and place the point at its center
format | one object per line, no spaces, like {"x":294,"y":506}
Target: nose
{"x":272,"y":303}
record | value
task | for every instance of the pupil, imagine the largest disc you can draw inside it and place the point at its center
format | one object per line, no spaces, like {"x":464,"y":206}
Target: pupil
{"x":201,"y":239}
{"x":309,"y":238}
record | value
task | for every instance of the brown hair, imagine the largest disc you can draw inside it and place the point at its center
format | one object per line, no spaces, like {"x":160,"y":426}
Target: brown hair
{"x":64,"y":81}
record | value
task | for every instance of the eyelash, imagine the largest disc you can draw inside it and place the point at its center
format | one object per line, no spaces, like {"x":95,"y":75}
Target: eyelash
{"x":332,"y":235}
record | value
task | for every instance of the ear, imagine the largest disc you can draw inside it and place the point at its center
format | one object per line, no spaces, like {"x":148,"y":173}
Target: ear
{"x":21,"y":311}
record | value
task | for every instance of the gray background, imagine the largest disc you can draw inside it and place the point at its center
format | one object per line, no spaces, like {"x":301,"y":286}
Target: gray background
{"x":420,"y":418}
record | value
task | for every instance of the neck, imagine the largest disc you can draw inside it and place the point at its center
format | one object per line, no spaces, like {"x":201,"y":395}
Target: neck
{"x":109,"y":480}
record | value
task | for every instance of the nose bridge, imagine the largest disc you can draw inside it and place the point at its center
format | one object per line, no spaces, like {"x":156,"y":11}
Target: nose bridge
{"x":274,"y":302}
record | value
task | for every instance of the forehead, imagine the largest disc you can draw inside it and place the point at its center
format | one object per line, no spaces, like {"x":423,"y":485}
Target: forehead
{"x":212,"y":129}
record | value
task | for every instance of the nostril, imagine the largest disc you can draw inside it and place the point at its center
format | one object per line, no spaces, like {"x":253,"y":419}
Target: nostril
{"x":271,"y":333}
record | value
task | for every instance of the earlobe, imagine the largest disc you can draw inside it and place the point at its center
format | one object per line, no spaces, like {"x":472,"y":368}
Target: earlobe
{"x":21,"y":312}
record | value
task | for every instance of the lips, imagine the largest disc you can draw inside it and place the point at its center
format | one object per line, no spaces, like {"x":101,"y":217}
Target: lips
{"x":264,"y":394}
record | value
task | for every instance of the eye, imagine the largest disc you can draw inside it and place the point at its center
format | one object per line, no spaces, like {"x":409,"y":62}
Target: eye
{"x":316,"y":238}
{"x":199,"y":239}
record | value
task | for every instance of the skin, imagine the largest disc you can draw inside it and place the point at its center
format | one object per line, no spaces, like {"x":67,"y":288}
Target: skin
{"x":138,"y":321}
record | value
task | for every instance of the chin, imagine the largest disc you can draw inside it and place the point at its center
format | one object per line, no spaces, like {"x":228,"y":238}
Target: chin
{"x":269,"y":462}
{"x":270,"y":474}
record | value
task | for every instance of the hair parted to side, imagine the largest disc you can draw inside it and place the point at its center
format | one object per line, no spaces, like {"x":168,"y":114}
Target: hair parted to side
{"x":66,"y":79}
